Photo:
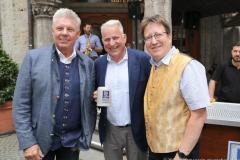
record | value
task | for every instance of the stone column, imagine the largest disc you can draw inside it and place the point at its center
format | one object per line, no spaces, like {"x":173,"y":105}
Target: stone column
{"x":14,"y":28}
{"x":43,"y":11}
{"x":161,"y":7}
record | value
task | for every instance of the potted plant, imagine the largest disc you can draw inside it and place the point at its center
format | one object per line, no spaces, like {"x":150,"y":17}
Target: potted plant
{"x":8,"y":76}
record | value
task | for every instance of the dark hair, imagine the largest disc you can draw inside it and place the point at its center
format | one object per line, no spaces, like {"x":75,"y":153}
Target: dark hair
{"x":236,"y":44}
{"x":155,"y":19}
{"x":86,"y":23}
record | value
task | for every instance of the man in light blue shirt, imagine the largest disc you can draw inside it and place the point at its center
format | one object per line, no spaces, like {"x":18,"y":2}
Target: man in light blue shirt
{"x":124,"y":72}
{"x":89,"y":43}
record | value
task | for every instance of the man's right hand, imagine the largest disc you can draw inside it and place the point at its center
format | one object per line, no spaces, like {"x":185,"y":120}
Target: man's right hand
{"x":212,"y":100}
{"x":33,"y":153}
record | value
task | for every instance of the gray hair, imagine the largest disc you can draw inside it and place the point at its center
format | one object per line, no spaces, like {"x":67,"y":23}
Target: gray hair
{"x":65,"y":12}
{"x":113,"y":22}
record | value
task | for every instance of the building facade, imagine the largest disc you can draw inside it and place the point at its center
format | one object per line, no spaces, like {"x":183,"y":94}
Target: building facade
{"x":27,"y":24}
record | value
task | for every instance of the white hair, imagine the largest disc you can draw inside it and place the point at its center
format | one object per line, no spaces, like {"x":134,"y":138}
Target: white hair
{"x":65,"y":12}
{"x":113,"y":22}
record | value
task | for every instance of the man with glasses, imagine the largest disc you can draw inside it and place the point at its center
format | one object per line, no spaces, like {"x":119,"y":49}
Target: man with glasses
{"x":125,"y":72}
{"x":175,"y":98}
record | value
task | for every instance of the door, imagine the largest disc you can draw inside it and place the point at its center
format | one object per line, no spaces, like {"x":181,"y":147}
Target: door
{"x":97,"y":19}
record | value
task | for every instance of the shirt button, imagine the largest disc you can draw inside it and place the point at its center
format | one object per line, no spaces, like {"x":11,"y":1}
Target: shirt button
{"x":53,"y":116}
{"x":64,"y":125}
{"x":66,"y":102}
{"x":67,"y":80}
{"x":66,"y":88}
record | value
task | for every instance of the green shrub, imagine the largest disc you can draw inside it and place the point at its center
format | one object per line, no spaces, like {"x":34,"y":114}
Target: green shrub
{"x":8,"y":76}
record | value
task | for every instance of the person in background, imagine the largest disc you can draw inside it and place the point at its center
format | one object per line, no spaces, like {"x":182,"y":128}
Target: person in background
{"x":228,"y":75}
{"x":125,"y":72}
{"x":54,"y":113}
{"x":176,"y":96}
{"x":89,"y":43}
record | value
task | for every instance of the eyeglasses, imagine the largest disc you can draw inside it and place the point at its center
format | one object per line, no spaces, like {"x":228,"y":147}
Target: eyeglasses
{"x":156,"y":36}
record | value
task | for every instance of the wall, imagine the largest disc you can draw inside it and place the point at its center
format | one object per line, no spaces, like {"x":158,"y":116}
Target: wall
{"x":211,"y":40}
{"x":231,"y":36}
{"x":14,"y":27}
{"x":216,"y":41}
{"x":0,"y":25}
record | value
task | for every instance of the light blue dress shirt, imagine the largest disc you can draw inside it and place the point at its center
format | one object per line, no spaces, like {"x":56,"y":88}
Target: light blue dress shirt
{"x":117,"y":81}
{"x":81,"y":43}
{"x":193,"y":83}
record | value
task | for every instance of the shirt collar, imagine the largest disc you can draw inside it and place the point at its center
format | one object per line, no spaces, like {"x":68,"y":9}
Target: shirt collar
{"x":125,"y":57}
{"x":166,"y":59}
{"x":66,"y":60}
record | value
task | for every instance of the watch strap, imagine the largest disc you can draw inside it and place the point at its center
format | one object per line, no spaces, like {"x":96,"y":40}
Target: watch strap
{"x":182,"y":155}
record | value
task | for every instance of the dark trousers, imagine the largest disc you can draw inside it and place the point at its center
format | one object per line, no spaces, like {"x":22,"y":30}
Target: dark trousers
{"x":168,"y":156}
{"x":63,"y":154}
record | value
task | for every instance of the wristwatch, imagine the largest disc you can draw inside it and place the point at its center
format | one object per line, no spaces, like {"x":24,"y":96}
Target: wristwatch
{"x":182,"y":155}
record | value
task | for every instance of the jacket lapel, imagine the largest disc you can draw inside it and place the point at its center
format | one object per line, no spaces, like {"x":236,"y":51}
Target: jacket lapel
{"x":103,"y":70}
{"x":133,"y":73}
{"x":82,"y":75}
{"x":55,"y":76}
{"x":101,"y":76}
